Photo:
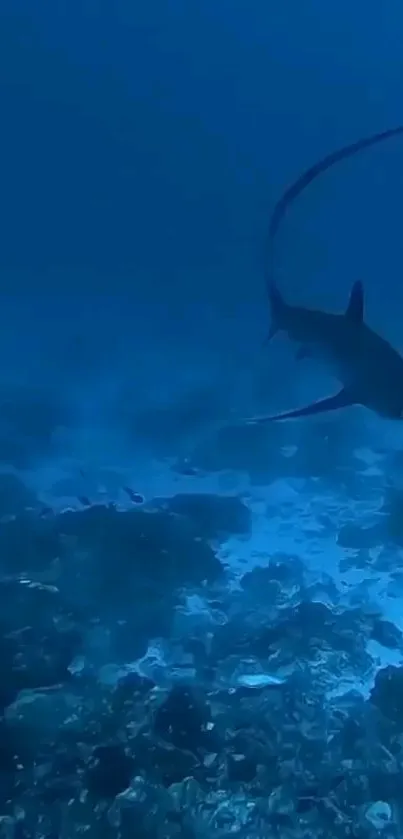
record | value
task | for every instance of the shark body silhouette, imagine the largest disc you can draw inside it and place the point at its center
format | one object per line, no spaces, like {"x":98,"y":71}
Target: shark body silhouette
{"x":369,"y":369}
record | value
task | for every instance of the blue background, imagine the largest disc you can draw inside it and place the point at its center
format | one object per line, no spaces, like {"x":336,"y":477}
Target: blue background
{"x":142,"y":147}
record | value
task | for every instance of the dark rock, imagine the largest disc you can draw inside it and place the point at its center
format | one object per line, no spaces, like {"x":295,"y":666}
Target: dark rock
{"x":358,"y":538}
{"x":263,"y":583}
{"x":159,"y":545}
{"x":387,"y":694}
{"x":109,"y":772}
{"x":183,"y":720}
{"x":212,"y":516}
{"x":393,"y":512}
{"x":387,"y":634}
{"x":162,"y":761}
{"x":240,"y":768}
{"x":132,"y":687}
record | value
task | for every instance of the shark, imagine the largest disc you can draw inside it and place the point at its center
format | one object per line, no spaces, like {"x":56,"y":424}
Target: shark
{"x":368,"y":368}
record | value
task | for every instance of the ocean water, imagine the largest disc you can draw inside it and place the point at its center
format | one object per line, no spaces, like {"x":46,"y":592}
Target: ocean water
{"x":201,"y":623}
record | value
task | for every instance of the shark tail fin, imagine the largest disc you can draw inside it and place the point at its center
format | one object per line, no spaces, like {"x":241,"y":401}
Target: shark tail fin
{"x":278,"y":308}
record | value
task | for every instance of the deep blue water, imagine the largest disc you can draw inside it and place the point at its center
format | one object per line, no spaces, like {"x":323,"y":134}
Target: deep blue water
{"x":143,"y":146}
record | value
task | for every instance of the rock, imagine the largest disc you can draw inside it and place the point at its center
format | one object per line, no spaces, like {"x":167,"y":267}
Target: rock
{"x":379,"y":813}
{"x":240,"y":768}
{"x":183,"y":719}
{"x":387,"y":694}
{"x":109,"y":772}
{"x":353,"y":536}
{"x":387,"y":634}
{"x":213,"y":516}
{"x":162,"y":762}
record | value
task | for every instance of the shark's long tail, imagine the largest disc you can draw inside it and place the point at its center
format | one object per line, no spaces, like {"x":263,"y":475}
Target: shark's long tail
{"x":278,"y":310}
{"x":304,"y":180}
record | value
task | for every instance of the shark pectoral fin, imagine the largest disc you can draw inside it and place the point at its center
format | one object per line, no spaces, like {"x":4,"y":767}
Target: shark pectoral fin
{"x":343,"y":399}
{"x":355,"y":308}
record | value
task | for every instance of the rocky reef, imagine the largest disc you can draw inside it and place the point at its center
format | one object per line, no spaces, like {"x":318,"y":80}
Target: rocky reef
{"x":145,"y":694}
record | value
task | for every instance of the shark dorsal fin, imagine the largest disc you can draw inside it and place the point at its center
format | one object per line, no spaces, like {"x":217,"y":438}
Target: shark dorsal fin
{"x":355,"y":308}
